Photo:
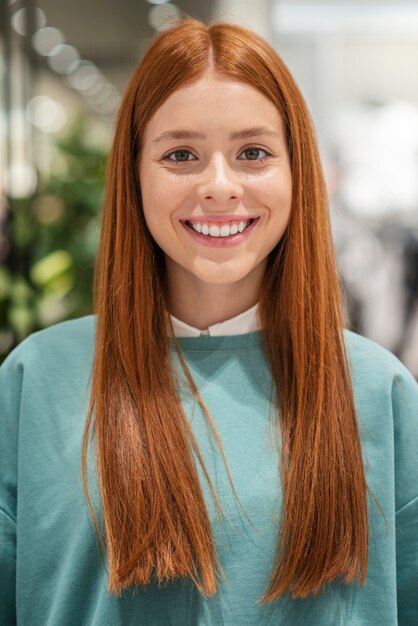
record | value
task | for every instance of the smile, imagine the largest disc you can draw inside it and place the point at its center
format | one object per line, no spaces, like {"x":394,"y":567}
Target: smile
{"x":216,"y":230}
{"x":220,"y":236}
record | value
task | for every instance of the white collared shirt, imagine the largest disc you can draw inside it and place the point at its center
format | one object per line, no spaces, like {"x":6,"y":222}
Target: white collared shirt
{"x":245,"y":322}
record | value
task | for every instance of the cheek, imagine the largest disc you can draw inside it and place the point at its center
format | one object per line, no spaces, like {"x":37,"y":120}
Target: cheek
{"x":278,"y":196}
{"x":157,"y":205}
{"x":279,"y":202}
{"x":159,"y":192}
{"x":153,"y":198}
{"x":150,"y":207}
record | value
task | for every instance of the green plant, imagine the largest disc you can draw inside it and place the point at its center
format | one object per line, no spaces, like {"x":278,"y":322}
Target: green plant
{"x":53,"y":237}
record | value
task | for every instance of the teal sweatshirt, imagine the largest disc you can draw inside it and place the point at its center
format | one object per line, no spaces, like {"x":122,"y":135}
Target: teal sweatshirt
{"x":51,"y":570}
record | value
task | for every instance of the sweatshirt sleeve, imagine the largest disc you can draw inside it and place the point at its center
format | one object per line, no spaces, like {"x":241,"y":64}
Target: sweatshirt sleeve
{"x":405,"y":415}
{"x":11,"y":374}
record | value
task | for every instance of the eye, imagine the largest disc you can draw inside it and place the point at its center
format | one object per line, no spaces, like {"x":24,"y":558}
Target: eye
{"x":253,"y":153}
{"x":182,"y":156}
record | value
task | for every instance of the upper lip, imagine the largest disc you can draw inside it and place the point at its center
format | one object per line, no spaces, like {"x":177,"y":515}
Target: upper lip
{"x":220,"y":219}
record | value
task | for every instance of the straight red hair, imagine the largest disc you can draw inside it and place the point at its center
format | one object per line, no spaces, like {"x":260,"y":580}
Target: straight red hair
{"x":155,"y":521}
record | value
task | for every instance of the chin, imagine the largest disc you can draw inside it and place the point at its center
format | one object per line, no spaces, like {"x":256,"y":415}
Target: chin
{"x":221,"y":278}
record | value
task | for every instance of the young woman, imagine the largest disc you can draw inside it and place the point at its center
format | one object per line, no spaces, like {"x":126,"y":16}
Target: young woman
{"x":245,"y":459}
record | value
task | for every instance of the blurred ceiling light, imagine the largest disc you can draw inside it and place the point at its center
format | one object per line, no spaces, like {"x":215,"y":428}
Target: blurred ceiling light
{"x":162,"y":16}
{"x":304,"y":16}
{"x":96,"y":88}
{"x":64,"y":59}
{"x":158,"y":1}
{"x":19,"y":20}
{"x":46,"y":114}
{"x":81,"y":74}
{"x":20,"y":180}
{"x":46,"y":39}
{"x":102,"y":96}
{"x":85,"y":76}
{"x":110,"y":106}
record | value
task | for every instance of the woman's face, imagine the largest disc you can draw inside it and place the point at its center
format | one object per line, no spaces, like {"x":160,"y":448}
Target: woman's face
{"x":214,"y":155}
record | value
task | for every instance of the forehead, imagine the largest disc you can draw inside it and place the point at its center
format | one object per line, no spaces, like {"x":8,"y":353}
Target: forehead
{"x":216,"y":102}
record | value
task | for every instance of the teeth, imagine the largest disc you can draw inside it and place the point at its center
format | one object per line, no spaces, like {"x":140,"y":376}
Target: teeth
{"x":226,"y":230}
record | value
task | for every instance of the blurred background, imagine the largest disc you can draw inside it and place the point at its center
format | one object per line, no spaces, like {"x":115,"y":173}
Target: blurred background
{"x":63,"y":68}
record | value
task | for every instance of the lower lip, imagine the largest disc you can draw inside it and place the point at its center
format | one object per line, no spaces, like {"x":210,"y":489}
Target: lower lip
{"x":220,"y":242}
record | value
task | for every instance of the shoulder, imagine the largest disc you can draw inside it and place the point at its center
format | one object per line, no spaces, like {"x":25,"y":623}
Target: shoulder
{"x":47,"y":375}
{"x":372,"y":363}
{"x":386,"y":398}
{"x":55,"y":346}
{"x":384,"y":389}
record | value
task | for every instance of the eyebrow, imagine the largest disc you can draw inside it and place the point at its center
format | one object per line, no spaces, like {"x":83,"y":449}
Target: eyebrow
{"x":238,"y":134}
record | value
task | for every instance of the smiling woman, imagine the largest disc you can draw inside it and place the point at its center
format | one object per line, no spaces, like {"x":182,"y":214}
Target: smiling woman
{"x":246,"y":459}
{"x":236,"y":172}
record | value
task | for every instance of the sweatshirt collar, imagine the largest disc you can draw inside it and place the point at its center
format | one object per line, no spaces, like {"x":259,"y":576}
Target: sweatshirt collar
{"x":245,"y":322}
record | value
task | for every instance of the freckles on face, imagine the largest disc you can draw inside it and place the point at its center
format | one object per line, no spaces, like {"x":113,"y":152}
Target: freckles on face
{"x":215,"y":150}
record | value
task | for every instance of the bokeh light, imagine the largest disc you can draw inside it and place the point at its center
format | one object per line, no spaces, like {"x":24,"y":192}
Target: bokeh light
{"x":19,"y":20}
{"x":46,"y":39}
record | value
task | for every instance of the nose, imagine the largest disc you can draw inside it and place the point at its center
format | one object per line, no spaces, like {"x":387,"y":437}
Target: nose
{"x":219,"y":182}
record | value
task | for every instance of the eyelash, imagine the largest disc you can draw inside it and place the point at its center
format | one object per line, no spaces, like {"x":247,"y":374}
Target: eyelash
{"x":267,"y":155}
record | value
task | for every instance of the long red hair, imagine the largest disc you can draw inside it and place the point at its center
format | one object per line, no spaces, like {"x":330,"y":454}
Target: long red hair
{"x":155,"y":522}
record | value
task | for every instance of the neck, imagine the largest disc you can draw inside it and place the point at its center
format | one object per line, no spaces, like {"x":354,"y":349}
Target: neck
{"x":201,"y":304}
